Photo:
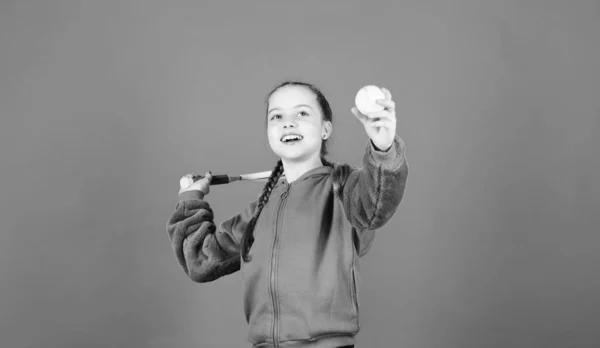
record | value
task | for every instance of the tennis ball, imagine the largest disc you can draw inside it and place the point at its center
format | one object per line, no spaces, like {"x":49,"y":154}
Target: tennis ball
{"x":366,"y":97}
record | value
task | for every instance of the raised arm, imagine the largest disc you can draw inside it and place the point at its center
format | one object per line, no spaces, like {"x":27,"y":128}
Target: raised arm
{"x":372,"y":194}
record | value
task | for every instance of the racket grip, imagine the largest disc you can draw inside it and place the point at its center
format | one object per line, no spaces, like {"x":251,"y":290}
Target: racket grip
{"x":219,"y":179}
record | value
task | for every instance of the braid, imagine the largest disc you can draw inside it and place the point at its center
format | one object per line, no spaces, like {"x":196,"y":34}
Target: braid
{"x":327,"y":163}
{"x":248,"y":237}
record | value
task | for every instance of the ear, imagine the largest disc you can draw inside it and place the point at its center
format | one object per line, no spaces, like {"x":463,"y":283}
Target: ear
{"x":327,"y":129}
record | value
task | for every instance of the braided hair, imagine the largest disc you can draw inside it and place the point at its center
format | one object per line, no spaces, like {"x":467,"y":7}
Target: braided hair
{"x":338,"y":176}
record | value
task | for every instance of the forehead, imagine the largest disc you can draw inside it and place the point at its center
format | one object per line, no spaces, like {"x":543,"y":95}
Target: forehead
{"x":290,"y":96}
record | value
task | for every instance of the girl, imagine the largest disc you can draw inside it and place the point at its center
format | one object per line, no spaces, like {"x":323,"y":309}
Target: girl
{"x":298,"y":244}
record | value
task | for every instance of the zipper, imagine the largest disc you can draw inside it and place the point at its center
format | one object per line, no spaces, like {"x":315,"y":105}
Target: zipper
{"x":354,"y":290}
{"x":274,"y":269}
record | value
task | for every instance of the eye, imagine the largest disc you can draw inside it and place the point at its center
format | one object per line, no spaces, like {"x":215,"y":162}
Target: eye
{"x":275,"y":116}
{"x":303,"y":113}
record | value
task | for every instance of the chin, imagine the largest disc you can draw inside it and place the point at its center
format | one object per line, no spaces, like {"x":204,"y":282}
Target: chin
{"x":293,"y":153}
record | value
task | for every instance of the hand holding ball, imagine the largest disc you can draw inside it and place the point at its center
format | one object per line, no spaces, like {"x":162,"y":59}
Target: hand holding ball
{"x":376,"y":111}
{"x":366,"y":97}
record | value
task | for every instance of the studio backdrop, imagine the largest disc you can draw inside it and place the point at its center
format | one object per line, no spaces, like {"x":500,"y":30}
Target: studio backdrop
{"x":104,"y":105}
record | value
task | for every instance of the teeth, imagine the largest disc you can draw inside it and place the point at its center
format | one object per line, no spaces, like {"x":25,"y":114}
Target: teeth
{"x":291,"y":137}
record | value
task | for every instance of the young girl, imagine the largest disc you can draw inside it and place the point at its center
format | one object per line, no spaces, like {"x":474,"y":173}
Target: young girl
{"x":298,"y":245}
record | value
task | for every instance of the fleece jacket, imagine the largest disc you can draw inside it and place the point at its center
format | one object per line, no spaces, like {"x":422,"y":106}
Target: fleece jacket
{"x":300,"y":289}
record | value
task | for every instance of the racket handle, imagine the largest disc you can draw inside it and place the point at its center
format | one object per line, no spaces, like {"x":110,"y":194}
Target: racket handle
{"x":218,"y":179}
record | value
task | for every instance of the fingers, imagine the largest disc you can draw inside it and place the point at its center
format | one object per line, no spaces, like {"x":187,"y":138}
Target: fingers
{"x":362,"y":118}
{"x":383,"y":115}
{"x":387,"y":93}
{"x":207,"y":175}
{"x":387,"y":103}
{"x":387,"y":114}
{"x":200,"y":183}
{"x":382,"y":122}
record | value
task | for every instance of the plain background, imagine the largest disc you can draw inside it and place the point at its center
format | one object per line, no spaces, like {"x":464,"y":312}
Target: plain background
{"x":104,"y":105}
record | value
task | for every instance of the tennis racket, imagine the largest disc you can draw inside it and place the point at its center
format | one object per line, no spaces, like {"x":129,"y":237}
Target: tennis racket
{"x":221,"y":179}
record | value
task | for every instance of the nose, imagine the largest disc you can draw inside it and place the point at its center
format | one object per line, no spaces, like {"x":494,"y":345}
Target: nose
{"x":289,"y":124}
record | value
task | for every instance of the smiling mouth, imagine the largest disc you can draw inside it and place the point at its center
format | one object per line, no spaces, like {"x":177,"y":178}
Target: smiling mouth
{"x":291,"y":139}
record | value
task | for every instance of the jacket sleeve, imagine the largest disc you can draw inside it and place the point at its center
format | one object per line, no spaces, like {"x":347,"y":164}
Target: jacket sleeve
{"x":204,"y":251}
{"x":372,"y":194}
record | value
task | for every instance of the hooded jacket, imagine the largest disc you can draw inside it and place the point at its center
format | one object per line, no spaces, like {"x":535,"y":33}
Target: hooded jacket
{"x":301,"y":285}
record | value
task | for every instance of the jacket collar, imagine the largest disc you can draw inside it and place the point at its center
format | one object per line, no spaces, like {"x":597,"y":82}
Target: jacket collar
{"x":315,"y":172}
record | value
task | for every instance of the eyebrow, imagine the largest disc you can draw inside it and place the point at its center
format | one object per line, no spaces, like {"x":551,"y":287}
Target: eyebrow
{"x":295,"y":107}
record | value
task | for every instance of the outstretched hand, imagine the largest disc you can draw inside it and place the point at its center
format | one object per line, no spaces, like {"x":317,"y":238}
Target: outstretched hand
{"x":381,"y":125}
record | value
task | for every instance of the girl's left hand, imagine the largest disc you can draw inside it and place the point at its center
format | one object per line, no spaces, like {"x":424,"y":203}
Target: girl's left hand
{"x":381,"y":125}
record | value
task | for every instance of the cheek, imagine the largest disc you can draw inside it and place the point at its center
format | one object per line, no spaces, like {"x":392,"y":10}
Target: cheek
{"x":313,"y":131}
{"x":271,"y":134}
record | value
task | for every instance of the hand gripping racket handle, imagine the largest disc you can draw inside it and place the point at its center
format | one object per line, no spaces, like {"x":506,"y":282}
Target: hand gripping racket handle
{"x":221,"y":179}
{"x":218,"y":179}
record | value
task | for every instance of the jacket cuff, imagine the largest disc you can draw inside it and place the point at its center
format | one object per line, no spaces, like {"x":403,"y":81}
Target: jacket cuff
{"x":391,"y":155}
{"x":191,"y":195}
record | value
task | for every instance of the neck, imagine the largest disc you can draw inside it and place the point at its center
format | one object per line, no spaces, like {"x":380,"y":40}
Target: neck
{"x":294,"y":170}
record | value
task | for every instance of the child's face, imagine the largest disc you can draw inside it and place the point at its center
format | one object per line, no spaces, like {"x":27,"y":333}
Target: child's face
{"x":294,"y":110}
